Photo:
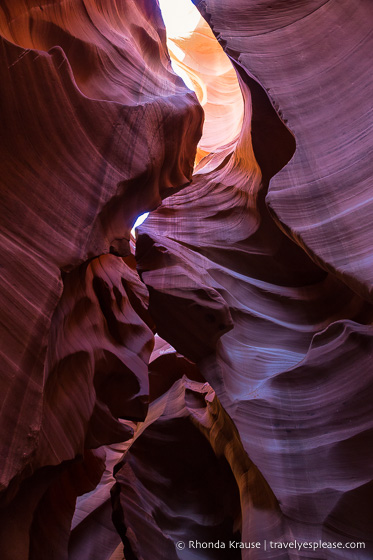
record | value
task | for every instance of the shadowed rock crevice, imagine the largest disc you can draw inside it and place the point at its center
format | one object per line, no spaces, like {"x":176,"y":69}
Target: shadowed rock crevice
{"x":157,"y":503}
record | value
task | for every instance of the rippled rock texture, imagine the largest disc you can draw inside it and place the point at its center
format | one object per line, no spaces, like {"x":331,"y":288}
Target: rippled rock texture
{"x":257,"y":422}
{"x":284,"y":264}
{"x":95,"y":129}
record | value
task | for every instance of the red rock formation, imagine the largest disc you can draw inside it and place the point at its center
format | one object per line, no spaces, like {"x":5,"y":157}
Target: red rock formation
{"x":312,"y":60}
{"x":158,"y":502}
{"x":258,"y":273}
{"x":295,"y":372}
{"x":95,"y":130}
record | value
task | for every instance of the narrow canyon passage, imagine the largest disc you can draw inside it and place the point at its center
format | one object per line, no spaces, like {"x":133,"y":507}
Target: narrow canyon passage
{"x":197,"y":57}
{"x":204,"y":391}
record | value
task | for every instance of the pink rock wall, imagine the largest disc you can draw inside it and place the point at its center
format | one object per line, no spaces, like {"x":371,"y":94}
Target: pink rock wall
{"x":95,"y":129}
{"x":286,"y":262}
{"x":257,"y":423}
{"x":313,"y":61}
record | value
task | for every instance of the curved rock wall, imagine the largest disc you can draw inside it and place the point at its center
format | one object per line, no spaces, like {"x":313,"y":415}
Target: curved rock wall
{"x":282,"y":264}
{"x":215,"y":82}
{"x":256,"y":424}
{"x":312,"y":59}
{"x":95,"y":130}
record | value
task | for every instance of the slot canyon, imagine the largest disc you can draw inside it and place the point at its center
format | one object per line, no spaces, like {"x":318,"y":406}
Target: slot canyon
{"x":200,"y":388}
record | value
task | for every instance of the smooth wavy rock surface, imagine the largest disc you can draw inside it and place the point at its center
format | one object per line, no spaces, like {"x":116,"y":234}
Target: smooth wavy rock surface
{"x":95,"y":129}
{"x":283,"y":339}
{"x":295,"y":371}
{"x":199,"y":55}
{"x":220,"y":497}
{"x":313,"y":59}
{"x":225,"y":393}
{"x":160,"y":494}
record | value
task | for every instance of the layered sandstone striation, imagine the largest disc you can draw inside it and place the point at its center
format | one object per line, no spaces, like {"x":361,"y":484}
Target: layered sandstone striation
{"x":284,"y":263}
{"x":251,"y":418}
{"x":312,"y":62}
{"x":96,"y":129}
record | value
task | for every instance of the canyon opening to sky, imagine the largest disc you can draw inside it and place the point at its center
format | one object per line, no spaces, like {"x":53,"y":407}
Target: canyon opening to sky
{"x":197,"y":57}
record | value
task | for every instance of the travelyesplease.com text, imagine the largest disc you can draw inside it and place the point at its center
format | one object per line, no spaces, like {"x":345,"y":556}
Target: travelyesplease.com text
{"x":270,"y":545}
